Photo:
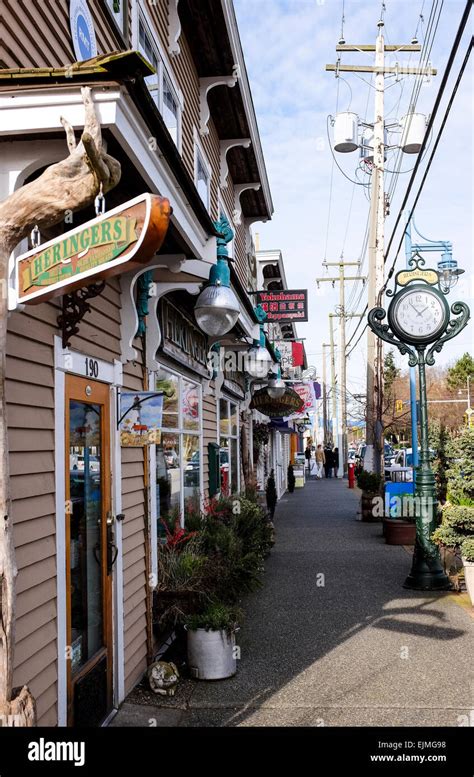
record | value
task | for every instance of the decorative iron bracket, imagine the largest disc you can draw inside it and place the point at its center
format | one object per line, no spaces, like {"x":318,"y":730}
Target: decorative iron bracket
{"x":455,"y":326}
{"x":75,"y":306}
{"x":375,"y":318}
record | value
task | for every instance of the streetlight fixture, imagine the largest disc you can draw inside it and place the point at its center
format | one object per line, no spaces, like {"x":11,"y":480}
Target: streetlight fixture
{"x":257,"y":359}
{"x":276,"y":386}
{"x":217,"y":308}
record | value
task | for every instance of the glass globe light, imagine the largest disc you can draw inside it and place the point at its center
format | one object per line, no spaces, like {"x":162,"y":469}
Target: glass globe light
{"x":276,"y":388}
{"x":217,"y":309}
{"x":257,"y":361}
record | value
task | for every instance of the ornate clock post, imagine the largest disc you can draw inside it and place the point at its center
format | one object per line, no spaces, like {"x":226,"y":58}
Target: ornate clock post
{"x":418,"y":317}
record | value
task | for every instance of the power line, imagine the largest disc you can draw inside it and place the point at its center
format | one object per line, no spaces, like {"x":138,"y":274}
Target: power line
{"x":434,"y":112}
{"x":438,"y":138}
{"x":435,"y":146}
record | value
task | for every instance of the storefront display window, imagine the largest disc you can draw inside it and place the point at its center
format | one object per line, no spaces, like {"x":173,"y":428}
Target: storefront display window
{"x":178,"y":455}
{"x":229,"y":445}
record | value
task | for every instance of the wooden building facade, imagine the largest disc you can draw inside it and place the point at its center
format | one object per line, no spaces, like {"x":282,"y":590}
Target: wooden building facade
{"x":186,"y":130}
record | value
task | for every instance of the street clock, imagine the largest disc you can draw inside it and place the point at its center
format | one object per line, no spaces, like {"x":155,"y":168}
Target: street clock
{"x":418,"y":314}
{"x":419,"y":324}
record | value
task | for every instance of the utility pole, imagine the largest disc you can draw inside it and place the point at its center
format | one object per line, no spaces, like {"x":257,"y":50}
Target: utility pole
{"x":342,"y":345}
{"x":333,"y":381}
{"x":374,"y":450}
{"x":325,"y":395}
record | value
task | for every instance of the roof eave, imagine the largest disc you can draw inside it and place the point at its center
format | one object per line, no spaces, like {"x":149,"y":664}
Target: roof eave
{"x":234,"y":38}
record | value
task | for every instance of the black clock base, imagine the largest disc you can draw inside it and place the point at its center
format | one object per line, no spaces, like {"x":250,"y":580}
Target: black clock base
{"x":427,"y":574}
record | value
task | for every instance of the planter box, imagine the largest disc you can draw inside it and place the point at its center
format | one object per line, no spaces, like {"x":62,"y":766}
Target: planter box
{"x":211,"y":654}
{"x":366,"y":507}
{"x":398,"y":532}
{"x":469,"y":578}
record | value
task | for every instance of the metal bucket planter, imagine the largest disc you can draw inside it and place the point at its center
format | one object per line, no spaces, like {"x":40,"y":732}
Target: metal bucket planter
{"x":399,"y":532}
{"x":469,"y":578}
{"x":211,"y":654}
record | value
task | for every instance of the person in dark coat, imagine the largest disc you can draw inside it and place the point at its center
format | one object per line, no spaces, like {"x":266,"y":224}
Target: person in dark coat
{"x":329,"y":459}
{"x":335,"y":454}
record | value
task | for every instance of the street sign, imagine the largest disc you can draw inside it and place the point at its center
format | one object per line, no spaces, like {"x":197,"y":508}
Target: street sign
{"x":288,"y":305}
{"x":115,"y":242}
{"x":82,"y":30}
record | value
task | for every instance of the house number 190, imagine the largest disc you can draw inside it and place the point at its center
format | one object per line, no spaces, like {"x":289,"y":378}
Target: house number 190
{"x":92,"y":368}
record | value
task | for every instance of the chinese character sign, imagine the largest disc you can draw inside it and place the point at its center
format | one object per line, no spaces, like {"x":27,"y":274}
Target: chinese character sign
{"x":288,"y":305}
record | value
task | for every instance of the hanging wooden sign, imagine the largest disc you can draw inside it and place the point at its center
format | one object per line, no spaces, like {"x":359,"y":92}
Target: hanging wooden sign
{"x":115,"y":242}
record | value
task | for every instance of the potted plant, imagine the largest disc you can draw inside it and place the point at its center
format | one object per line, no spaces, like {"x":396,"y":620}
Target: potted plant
{"x":369,"y":483}
{"x":455,"y":537}
{"x":182,"y":569}
{"x":211,"y":641}
{"x":467,"y":555}
{"x":291,"y":479}
{"x":399,"y":531}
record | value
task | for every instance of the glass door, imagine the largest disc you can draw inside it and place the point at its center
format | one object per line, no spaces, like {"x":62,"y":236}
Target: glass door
{"x":90,"y":551}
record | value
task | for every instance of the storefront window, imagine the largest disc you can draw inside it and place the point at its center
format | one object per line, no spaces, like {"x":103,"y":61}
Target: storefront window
{"x":178,"y":455}
{"x":229,"y":445}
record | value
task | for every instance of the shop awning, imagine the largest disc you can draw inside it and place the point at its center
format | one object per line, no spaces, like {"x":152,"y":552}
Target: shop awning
{"x":281,"y":426}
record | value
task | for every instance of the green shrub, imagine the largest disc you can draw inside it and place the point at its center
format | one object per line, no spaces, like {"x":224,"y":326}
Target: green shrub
{"x":182,"y":568}
{"x":369,"y":482}
{"x":459,"y":516}
{"x":467,"y":549}
{"x":217,"y":616}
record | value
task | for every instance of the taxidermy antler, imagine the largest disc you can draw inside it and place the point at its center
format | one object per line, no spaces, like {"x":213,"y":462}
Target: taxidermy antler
{"x":69,"y":185}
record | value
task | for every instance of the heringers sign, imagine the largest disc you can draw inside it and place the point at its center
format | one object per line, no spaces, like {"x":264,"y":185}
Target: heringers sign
{"x":117,"y":241}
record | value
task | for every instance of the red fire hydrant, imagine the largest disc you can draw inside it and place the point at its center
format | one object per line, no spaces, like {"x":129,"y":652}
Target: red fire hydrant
{"x":351,"y":475}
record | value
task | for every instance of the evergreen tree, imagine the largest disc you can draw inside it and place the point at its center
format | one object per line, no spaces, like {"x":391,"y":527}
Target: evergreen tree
{"x":390,"y":371}
{"x":439,"y":439}
{"x":459,"y":373}
{"x":461,"y":470}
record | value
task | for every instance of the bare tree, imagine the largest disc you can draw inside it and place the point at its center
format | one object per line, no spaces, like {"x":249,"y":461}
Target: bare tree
{"x":71,"y":184}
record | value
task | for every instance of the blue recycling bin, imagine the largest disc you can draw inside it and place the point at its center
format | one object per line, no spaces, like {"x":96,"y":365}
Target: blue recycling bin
{"x":394,"y":493}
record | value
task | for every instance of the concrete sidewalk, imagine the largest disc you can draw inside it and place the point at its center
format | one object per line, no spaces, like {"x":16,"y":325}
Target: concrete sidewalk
{"x":333,"y":638}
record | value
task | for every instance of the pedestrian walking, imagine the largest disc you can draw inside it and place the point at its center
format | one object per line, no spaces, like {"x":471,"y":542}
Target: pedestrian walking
{"x":307,"y":455}
{"x":335,"y":454}
{"x":320,"y":461}
{"x":328,"y":463}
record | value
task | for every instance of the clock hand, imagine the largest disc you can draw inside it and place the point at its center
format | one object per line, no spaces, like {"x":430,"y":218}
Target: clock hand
{"x":420,"y":313}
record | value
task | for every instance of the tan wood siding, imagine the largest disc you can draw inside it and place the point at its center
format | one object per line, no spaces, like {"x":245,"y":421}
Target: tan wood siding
{"x":19,"y":48}
{"x":30,"y":415}
{"x":134,"y":538}
{"x":30,"y":395}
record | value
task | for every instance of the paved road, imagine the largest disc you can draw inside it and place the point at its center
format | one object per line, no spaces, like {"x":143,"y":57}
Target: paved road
{"x":333,"y":638}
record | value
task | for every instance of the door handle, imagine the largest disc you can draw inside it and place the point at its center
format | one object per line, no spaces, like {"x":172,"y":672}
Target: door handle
{"x":112,"y":550}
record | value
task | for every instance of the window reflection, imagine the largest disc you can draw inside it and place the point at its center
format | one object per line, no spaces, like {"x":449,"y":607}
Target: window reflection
{"x":85,"y":513}
{"x":178,"y":460}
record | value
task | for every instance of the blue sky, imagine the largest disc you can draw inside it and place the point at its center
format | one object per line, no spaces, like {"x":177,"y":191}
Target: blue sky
{"x":286,"y":46}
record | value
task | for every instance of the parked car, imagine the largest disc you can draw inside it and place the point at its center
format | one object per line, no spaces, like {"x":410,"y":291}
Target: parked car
{"x":403,"y":462}
{"x":388,"y":453}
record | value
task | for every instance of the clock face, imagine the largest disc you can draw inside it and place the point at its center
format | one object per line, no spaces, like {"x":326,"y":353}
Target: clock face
{"x":419,"y":314}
